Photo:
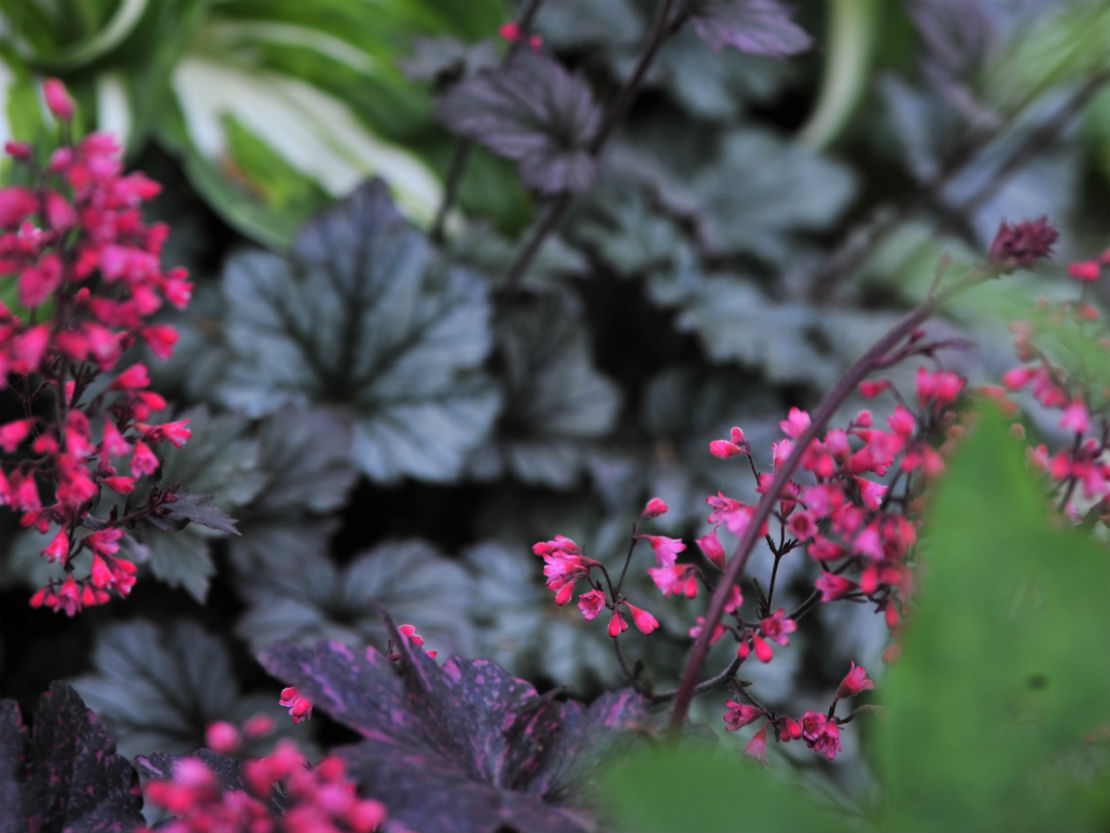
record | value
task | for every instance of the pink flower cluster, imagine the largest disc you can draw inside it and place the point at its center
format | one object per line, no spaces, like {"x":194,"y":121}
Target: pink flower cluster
{"x":1079,"y":393}
{"x":300,"y":707}
{"x":819,"y":731}
{"x":88,"y":277}
{"x":565,"y":565}
{"x":319,"y":799}
{"x":845,"y":518}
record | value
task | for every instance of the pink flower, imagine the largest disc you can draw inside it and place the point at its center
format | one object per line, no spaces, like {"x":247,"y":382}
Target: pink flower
{"x":757,"y":746}
{"x":777,"y":626}
{"x":58,"y":548}
{"x":710,"y":545}
{"x":854,"y":682}
{"x":654,"y":508}
{"x":1087,"y":270}
{"x":828,"y":742}
{"x":723,"y":449}
{"x":13,"y":433}
{"x":681,"y":578}
{"x":869,"y":390}
{"x":738,"y":715}
{"x":666,"y":549}
{"x":564,"y":565}
{"x":590,"y":603}
{"x":409,"y":633}
{"x":695,"y":632}
{"x":871,"y":492}
{"x":222,"y":737}
{"x":133,"y":378}
{"x":763,"y":651}
{"x":735,"y":599}
{"x":1076,"y":418}
{"x":643,"y":620}
{"x":57,"y":99}
{"x":813,"y":724}
{"x":300,"y":708}
{"x":617,"y":624}
{"x":832,"y":586}
{"x":796,"y":423}
{"x":143,"y":460}
{"x":1018,"y":377}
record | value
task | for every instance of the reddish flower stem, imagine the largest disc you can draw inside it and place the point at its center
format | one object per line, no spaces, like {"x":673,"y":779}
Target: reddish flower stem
{"x":833,"y":400}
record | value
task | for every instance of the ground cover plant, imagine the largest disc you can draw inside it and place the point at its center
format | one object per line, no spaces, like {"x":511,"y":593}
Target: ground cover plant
{"x":687,"y":414}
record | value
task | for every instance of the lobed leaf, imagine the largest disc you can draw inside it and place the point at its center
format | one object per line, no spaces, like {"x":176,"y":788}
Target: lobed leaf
{"x":309,"y":598}
{"x":465,"y":746}
{"x":759,"y":27}
{"x":534,"y":112}
{"x":158,"y":687}
{"x":555,"y":402}
{"x":63,"y":774}
{"x":360,"y":316}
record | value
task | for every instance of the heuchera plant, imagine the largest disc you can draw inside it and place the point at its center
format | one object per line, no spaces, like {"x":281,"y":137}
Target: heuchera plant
{"x":89,"y":278}
{"x":459,"y":744}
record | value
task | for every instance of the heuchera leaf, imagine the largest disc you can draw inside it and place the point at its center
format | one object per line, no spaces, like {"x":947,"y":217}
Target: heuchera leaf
{"x":360,"y":316}
{"x":309,"y":598}
{"x":304,"y":453}
{"x":759,"y":27}
{"x":462,"y":747}
{"x":534,"y":112}
{"x":762,"y":190}
{"x":556,"y":400}
{"x":220,"y":459}
{"x":64,"y":776}
{"x":159,"y":687}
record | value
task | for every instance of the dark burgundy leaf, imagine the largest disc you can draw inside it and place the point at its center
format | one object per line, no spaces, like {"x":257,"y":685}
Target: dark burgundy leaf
{"x":758,"y":27}
{"x":65,"y":776}
{"x":534,"y":112}
{"x":465,"y":746}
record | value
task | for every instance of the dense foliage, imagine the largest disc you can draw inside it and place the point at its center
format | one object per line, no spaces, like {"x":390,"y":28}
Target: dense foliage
{"x":425,"y":284}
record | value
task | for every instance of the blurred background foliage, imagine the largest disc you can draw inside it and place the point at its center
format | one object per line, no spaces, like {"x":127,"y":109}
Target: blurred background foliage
{"x":385,"y":419}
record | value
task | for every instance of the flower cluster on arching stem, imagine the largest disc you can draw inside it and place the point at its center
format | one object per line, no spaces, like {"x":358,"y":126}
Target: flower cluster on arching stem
{"x":854,"y":503}
{"x":88,"y":278}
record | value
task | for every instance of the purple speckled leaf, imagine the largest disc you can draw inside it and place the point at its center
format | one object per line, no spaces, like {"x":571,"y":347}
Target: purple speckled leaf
{"x":758,"y":27}
{"x":465,"y":746}
{"x":64,"y":776}
{"x":534,"y":112}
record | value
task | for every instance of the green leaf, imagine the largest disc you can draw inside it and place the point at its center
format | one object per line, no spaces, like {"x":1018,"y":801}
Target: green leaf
{"x":303,"y":454}
{"x":311,"y":599}
{"x":220,"y":460}
{"x":736,"y":321}
{"x":666,"y":789}
{"x":762,"y":190}
{"x":1006,"y":664}
{"x":157,"y":687}
{"x":360,"y":316}
{"x":556,"y":400}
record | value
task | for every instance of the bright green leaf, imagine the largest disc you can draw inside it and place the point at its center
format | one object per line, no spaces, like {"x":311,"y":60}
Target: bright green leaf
{"x":1005,"y":666}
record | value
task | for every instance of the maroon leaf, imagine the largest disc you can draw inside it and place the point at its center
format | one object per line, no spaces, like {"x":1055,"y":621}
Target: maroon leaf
{"x":465,"y":746}
{"x":534,"y":112}
{"x":66,"y":775}
{"x":758,"y":27}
